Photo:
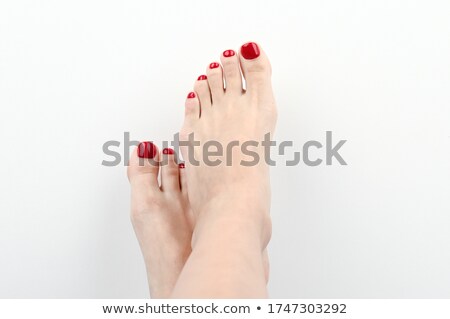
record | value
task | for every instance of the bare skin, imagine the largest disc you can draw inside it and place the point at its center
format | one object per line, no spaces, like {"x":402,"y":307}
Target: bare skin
{"x":231,"y":204}
{"x":162,"y":219}
{"x":228,"y":206}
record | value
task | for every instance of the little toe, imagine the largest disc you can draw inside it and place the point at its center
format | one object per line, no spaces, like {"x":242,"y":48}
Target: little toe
{"x":192,"y":109}
{"x":184,"y":192}
{"x":215,"y":81}
{"x":201,"y":87}
{"x":183,"y":180}
{"x":232,"y":72}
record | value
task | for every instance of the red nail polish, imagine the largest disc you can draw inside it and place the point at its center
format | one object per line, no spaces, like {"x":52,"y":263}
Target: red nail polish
{"x":250,"y":51}
{"x":201,"y":77}
{"x":214,"y":65}
{"x":228,"y":53}
{"x":168,"y":151}
{"x":147,"y":150}
{"x":191,"y":95}
{"x":181,"y":165}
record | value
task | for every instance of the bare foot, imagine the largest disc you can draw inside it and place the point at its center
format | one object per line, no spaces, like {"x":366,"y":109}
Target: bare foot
{"x":228,"y":115}
{"x":161,"y":216}
{"x":230,"y":201}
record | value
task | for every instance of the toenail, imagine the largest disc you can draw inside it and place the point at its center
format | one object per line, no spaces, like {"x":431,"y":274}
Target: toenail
{"x":228,"y":53}
{"x":146,"y":150}
{"x":214,"y":65}
{"x":202,"y":77}
{"x":250,"y":51}
{"x":168,"y":151}
{"x":181,"y":165}
{"x":191,"y":95}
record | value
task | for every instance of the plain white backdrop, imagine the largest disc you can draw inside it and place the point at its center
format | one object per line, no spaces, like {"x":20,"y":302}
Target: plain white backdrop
{"x":75,"y":74}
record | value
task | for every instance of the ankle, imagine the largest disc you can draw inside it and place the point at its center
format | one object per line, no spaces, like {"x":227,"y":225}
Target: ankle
{"x":234,"y":219}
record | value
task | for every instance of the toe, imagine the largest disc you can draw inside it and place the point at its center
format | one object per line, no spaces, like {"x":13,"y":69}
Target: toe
{"x":170,"y":179}
{"x":201,"y":87}
{"x":184,"y":191}
{"x":231,"y":71}
{"x":191,"y":117}
{"x":192,"y":108}
{"x":215,"y":81}
{"x":142,"y":173}
{"x":256,"y":68}
{"x":183,"y":181}
{"x":144,"y":166}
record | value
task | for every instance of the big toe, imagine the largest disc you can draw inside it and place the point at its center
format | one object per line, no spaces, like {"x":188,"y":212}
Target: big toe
{"x":255,"y":67}
{"x":142,"y":172}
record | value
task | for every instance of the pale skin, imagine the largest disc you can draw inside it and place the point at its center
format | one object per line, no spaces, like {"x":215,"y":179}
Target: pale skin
{"x":204,"y":231}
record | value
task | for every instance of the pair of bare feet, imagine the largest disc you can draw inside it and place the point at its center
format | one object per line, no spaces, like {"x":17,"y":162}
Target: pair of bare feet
{"x":203,"y":232}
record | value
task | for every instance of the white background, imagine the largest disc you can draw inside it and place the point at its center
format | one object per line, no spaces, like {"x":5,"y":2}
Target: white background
{"x":75,"y":74}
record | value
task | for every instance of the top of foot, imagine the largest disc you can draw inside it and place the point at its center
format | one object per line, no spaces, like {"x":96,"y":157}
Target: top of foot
{"x":232,"y":103}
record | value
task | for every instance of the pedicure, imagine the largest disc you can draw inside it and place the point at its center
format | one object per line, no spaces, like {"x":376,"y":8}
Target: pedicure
{"x":202,"y":77}
{"x":250,"y":51}
{"x":214,"y":65}
{"x":181,"y":165}
{"x":147,"y":150}
{"x":228,"y":53}
{"x":168,"y":151}
{"x":191,"y":95}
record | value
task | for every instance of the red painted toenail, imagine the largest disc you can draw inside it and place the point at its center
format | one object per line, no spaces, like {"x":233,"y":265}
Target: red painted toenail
{"x":191,"y":95}
{"x":228,"y":53}
{"x":214,"y":65}
{"x":202,"y":77}
{"x":181,"y":165}
{"x":147,"y":150}
{"x":168,"y":151}
{"x":250,"y":51}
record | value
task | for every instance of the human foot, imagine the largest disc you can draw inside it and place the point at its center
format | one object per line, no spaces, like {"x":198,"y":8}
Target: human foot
{"x":230,"y":200}
{"x":163,"y":229}
{"x":161,"y":216}
{"x":227,"y":115}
